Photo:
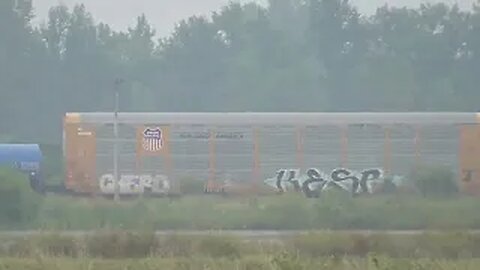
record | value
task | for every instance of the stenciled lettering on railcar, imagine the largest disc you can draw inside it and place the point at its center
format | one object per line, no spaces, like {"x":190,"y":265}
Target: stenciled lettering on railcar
{"x":195,"y":135}
{"x":229,"y":135}
{"x":27,"y":166}
{"x":315,"y":181}
{"x":207,"y":135}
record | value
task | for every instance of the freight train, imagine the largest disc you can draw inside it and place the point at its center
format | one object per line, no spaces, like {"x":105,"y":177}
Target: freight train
{"x":277,"y":152}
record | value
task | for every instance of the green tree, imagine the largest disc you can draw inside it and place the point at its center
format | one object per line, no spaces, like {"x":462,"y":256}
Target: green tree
{"x":340,"y":40}
{"x":292,"y":55}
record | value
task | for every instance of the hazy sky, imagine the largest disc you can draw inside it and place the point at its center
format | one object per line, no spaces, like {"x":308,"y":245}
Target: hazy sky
{"x":163,"y":14}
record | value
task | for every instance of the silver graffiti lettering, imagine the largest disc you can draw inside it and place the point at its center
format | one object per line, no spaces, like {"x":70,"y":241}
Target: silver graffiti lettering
{"x":135,"y":184}
{"x":315,"y":181}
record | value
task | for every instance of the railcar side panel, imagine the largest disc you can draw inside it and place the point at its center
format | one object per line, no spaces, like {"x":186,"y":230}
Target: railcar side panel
{"x":154,"y":155}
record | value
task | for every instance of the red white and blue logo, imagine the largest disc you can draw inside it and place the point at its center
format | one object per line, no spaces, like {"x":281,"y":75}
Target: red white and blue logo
{"x":152,"y":139}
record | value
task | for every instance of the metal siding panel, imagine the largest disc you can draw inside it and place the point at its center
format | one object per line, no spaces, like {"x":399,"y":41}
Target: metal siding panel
{"x":152,"y":165}
{"x":126,"y":164}
{"x":440,"y":146}
{"x":189,"y":149}
{"x":365,"y":147}
{"x":277,"y":149}
{"x":322,"y":146}
{"x":403,"y":149}
{"x":126,"y":146}
{"x":278,"y":142}
{"x":234,"y":152}
{"x":284,"y":118}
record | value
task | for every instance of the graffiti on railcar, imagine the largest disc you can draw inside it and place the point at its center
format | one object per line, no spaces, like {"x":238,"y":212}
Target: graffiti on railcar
{"x":135,"y":184}
{"x":316,"y":181}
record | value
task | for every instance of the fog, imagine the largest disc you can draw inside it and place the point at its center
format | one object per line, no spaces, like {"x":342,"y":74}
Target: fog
{"x":163,"y":14}
{"x":319,"y":119}
{"x":273,"y":62}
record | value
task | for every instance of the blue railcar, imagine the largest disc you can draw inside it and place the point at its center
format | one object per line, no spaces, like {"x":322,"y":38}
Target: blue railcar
{"x":27,"y":158}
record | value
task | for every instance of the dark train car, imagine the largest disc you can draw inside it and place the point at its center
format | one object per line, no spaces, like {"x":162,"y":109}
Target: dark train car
{"x":27,"y":158}
{"x":274,"y":151}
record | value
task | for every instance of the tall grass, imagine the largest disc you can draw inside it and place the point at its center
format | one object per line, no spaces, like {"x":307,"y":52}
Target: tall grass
{"x":134,"y":245}
{"x":398,"y":212}
{"x":134,"y":250}
{"x":250,"y":263}
{"x":19,"y":205}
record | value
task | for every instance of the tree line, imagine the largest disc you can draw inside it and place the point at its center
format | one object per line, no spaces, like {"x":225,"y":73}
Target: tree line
{"x":292,"y":55}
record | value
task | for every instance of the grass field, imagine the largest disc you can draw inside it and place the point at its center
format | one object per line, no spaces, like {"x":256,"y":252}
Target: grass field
{"x":402,"y":212}
{"x":130,"y":250}
{"x":249,"y":263}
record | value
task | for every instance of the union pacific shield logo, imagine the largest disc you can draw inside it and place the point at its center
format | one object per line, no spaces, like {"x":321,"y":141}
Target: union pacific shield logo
{"x":152,"y":139}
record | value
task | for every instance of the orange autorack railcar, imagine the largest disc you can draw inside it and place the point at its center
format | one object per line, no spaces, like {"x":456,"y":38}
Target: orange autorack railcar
{"x":258,"y":150}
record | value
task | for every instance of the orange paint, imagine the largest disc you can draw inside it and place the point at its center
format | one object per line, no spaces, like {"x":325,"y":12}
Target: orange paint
{"x":138,"y":151}
{"x":212,"y":158}
{"x":299,"y":147}
{"x":417,"y":146}
{"x":387,"y":167}
{"x":469,"y":153}
{"x":256,"y":159}
{"x":168,"y":165}
{"x":70,"y":129}
{"x":88,"y":147}
{"x":344,"y":144}
{"x":80,"y":151}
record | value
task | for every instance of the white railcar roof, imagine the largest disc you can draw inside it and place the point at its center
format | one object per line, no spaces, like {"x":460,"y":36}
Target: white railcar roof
{"x":260,"y":118}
